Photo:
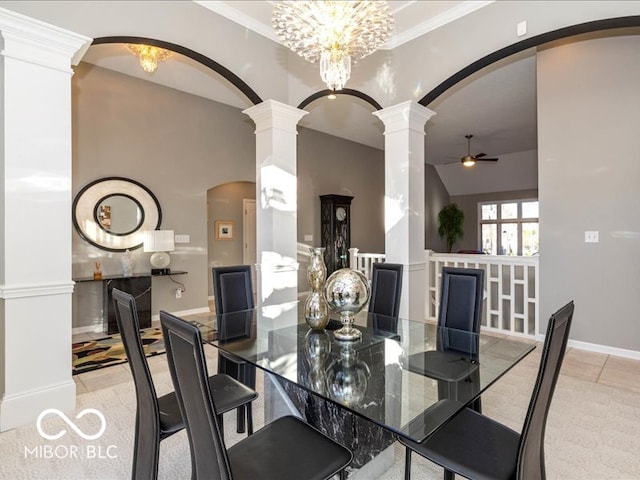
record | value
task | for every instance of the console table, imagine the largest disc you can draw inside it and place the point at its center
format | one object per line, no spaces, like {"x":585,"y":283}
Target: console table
{"x":138,"y":285}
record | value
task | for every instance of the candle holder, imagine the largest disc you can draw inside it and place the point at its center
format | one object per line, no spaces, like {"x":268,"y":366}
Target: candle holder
{"x":97,"y":273}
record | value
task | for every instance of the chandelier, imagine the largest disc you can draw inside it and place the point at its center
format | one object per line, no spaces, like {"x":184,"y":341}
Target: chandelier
{"x":333,"y":33}
{"x":149,"y":56}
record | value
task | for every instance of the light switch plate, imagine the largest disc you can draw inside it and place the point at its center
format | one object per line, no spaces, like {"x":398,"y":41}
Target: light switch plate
{"x":308,"y":238}
{"x":182,"y":238}
{"x":521,"y":29}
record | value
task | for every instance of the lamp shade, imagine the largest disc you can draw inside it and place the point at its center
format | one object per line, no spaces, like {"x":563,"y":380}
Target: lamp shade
{"x":159,"y":241}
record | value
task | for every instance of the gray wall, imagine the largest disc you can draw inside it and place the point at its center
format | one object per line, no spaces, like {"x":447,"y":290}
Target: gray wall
{"x":328,"y":164}
{"x":589,"y":173}
{"x":181,"y":146}
{"x":435,"y":197}
{"x":469,"y":205}
{"x":176,"y":144}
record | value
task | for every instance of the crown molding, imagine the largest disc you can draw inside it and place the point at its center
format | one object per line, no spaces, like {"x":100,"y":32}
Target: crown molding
{"x":231,"y":13}
{"x":438,"y":21}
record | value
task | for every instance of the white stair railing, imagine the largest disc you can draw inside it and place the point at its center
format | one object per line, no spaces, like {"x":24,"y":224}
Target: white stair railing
{"x":511,"y":289}
{"x":363,"y":262}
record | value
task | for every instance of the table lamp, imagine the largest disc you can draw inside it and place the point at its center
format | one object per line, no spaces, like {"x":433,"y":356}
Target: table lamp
{"x":160,"y":242}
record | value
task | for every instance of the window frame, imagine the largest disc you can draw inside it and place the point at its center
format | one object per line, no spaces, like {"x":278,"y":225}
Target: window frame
{"x":519,"y":221}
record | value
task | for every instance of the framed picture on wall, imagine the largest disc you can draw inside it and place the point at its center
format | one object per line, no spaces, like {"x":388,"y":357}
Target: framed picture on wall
{"x":224,"y":230}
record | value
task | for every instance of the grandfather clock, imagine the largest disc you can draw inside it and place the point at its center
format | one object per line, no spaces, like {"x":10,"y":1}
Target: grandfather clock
{"x":335,"y":230}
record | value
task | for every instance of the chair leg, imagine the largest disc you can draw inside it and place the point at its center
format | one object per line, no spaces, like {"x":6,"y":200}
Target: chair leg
{"x":477,"y":405}
{"x":249,"y":419}
{"x":449,"y":475}
{"x":241,"y":416}
{"x":407,"y":464}
{"x":343,"y":474}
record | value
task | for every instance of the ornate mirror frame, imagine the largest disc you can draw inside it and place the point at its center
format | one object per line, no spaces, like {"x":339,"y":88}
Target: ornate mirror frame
{"x":88,"y":199}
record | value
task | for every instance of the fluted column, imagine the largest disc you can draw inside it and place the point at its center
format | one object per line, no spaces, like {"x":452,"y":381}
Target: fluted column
{"x":276,"y":201}
{"x":404,"y":199}
{"x":35,"y":218}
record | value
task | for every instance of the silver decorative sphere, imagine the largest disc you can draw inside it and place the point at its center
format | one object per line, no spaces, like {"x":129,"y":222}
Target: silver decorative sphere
{"x":347,"y":378}
{"x":347,"y":292}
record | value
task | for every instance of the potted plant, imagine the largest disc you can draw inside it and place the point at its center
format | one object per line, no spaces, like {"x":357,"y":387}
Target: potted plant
{"x":450,"y":220}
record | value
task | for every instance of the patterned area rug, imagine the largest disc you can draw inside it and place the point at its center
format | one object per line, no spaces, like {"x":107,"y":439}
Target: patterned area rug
{"x":94,"y":354}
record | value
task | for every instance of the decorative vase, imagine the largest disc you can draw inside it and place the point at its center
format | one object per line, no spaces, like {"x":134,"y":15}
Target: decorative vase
{"x":128,"y":262}
{"x":316,"y":311}
{"x":347,"y":292}
{"x":317,"y":349}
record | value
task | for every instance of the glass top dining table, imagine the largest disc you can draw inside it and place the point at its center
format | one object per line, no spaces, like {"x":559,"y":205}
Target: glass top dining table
{"x":409,"y":377}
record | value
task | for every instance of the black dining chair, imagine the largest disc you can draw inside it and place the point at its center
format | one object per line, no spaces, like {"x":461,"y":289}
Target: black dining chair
{"x":159,"y":417}
{"x":461,"y":298}
{"x":233,"y":293}
{"x":477,"y":447}
{"x":454,"y":361}
{"x":459,"y":319}
{"x":386,"y":289}
{"x":286,"y":448}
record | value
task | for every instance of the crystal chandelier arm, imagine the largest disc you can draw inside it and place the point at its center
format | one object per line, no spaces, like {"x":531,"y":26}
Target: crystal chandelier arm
{"x":335,"y":33}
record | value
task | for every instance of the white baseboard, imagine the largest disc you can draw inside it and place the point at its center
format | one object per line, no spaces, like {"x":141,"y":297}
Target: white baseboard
{"x":23,"y":408}
{"x":87,"y":329}
{"x":594,"y":347}
{"x":193,"y":311}
{"x":597,"y":348}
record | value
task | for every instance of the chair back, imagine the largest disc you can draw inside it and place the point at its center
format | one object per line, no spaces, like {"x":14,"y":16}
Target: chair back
{"x":232,"y":288}
{"x":531,"y":450}
{"x":461,"y":298}
{"x":188,"y":368}
{"x":148,"y":411}
{"x":386,"y":289}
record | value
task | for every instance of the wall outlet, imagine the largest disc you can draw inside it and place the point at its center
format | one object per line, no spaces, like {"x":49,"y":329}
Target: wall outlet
{"x":591,"y":237}
{"x":178,"y":292}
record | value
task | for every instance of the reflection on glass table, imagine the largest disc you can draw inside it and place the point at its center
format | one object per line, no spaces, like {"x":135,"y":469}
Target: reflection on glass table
{"x":373,"y":376}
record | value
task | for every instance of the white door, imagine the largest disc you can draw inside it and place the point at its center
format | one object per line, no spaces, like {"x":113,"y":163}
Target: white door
{"x":249,"y":237}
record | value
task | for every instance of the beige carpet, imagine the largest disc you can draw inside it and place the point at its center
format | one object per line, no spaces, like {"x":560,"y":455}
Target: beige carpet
{"x":592,"y":431}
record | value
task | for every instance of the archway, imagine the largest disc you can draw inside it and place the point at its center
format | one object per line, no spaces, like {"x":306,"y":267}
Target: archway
{"x":226,"y":235}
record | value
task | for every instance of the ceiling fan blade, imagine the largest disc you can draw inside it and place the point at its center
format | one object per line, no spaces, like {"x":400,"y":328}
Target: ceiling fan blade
{"x":479,"y":155}
{"x":486,"y":159}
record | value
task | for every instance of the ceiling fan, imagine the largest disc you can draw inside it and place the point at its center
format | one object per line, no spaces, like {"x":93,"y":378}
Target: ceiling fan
{"x":470,"y":160}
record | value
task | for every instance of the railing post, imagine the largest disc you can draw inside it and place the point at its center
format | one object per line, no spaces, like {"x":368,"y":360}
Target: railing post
{"x":353,"y":258}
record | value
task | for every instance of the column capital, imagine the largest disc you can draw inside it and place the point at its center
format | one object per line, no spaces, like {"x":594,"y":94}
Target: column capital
{"x":37,"y":42}
{"x":273,"y":114}
{"x":406,"y":115}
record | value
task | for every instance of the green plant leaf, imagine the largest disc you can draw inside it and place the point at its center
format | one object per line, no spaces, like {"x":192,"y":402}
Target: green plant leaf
{"x":450,"y":224}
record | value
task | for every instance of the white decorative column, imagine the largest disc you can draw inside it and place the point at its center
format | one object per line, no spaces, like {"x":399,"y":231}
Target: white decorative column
{"x":276,"y":201}
{"x":35,"y":218}
{"x":404,"y":199}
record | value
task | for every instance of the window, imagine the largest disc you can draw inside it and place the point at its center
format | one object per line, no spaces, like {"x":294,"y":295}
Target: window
{"x":510,"y":227}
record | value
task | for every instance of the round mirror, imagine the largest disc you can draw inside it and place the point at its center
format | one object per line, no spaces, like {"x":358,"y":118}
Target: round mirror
{"x":119,"y":214}
{"x":112,"y":213}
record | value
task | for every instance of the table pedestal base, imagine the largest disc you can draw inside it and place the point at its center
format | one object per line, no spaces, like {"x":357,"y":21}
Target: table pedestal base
{"x":371,"y":445}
